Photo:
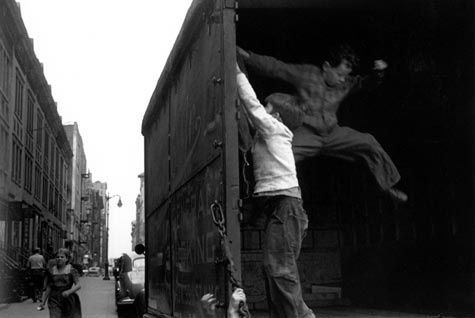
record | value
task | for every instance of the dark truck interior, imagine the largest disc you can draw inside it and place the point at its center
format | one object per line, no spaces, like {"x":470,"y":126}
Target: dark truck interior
{"x":362,"y":249}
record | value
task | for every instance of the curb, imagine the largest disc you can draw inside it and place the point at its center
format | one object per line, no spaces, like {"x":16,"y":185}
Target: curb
{"x":4,"y":306}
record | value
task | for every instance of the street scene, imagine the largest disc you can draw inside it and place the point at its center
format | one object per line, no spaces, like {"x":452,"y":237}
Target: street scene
{"x":238,"y":159}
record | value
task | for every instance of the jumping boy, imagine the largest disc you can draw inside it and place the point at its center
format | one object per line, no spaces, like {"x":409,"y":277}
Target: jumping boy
{"x":319,"y":93}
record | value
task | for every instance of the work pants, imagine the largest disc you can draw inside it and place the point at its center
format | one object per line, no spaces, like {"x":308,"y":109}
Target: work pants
{"x":350,"y":145}
{"x":285,"y":229}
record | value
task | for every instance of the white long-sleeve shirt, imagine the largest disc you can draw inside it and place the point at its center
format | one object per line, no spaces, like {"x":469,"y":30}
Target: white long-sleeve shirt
{"x":273,"y":159}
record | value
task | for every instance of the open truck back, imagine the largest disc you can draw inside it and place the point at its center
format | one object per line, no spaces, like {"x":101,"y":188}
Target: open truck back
{"x":361,"y":250}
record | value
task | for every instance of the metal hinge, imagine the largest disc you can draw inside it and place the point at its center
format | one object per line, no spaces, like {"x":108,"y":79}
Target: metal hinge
{"x":231,"y":4}
{"x":216,"y":18}
{"x":240,"y":214}
{"x":217,"y":144}
{"x":217,"y":80}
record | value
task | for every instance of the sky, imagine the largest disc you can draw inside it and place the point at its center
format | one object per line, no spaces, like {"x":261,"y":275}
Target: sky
{"x":103,"y":59}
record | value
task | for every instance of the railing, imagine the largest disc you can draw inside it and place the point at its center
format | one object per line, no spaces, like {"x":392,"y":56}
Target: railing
{"x":13,"y":254}
{"x":9,"y":262}
{"x":12,"y":273}
{"x":19,"y":254}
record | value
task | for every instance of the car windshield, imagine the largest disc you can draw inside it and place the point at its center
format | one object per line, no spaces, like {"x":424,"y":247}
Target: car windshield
{"x":139,"y":263}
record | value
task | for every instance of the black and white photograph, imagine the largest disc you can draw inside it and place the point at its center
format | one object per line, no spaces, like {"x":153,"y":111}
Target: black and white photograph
{"x":237,"y":158}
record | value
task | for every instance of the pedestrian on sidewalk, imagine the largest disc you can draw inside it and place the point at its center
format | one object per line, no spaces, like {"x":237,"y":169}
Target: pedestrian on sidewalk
{"x":36,"y":266}
{"x":62,"y":282}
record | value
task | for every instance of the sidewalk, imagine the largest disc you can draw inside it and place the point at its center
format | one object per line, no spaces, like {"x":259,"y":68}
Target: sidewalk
{"x":96,"y":295}
{"x":97,"y":301}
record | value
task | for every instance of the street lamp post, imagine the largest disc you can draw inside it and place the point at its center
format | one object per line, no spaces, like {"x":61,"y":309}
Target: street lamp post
{"x":106,"y":263}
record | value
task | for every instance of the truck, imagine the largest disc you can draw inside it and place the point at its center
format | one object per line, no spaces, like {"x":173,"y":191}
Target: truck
{"x":362,"y":250}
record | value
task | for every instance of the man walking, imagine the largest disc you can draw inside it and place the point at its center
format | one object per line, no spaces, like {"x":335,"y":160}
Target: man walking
{"x":36,"y":266}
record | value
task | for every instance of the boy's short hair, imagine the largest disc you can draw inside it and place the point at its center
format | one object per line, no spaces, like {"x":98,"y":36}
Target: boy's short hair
{"x":336,"y":55}
{"x":287,"y":107}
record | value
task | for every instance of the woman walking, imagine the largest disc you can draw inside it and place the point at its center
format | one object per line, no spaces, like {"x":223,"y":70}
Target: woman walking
{"x":62,"y":282}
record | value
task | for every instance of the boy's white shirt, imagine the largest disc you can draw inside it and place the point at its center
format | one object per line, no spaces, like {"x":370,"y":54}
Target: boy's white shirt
{"x":273,"y":159}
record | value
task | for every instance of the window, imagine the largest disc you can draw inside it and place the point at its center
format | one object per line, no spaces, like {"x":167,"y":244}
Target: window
{"x":57,"y":168}
{"x":39,"y":137}
{"x":30,"y":108}
{"x":56,"y":205}
{"x":5,"y":66}
{"x":4,"y":155}
{"x":51,"y":204}
{"x":4,"y":108}
{"x":28,"y":182}
{"x":16,"y":162}
{"x":44,"y":198}
{"x":46,"y":153}
{"x":37,"y":182}
{"x":39,"y":128}
{"x":19,"y":87}
{"x":61,"y":173}
{"x":52,"y":159}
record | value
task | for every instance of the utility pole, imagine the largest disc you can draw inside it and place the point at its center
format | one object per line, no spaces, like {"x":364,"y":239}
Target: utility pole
{"x":106,"y":263}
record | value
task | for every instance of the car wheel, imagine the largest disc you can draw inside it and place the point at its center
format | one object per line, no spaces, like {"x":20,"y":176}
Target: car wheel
{"x":139,"y":303}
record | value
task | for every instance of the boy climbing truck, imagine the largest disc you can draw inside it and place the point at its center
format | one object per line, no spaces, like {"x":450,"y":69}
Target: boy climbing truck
{"x":360,"y":250}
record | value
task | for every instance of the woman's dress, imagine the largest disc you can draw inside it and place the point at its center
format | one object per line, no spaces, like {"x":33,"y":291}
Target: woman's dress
{"x":59,"y":306}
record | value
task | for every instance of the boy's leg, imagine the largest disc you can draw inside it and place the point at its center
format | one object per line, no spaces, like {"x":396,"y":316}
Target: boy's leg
{"x":306,"y":143}
{"x":283,"y":239}
{"x":352,"y":145}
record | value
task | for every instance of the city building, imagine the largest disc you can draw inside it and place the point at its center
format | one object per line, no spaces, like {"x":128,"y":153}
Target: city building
{"x":35,"y":155}
{"x":99,"y":238}
{"x":95,"y":224}
{"x":77,"y":177}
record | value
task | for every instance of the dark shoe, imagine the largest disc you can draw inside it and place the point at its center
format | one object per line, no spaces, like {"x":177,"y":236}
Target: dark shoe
{"x":397,"y":195}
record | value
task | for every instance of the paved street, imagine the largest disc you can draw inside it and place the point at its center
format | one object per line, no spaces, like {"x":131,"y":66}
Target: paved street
{"x":97,"y":301}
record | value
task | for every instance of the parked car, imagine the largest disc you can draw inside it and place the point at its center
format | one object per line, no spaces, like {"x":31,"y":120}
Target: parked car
{"x":129,"y":274}
{"x":94,"y":271}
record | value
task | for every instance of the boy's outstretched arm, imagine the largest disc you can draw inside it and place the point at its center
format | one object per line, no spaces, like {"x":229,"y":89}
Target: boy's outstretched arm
{"x":262,"y":121}
{"x":295,"y":74}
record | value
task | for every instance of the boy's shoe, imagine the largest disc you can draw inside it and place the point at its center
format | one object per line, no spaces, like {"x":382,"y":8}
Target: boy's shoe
{"x":397,"y":195}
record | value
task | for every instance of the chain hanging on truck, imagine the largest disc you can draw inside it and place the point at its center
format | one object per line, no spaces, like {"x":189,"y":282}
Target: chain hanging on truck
{"x":218,"y":220}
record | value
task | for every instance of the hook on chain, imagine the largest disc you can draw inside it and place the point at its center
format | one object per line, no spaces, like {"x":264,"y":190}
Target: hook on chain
{"x":218,"y":217}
